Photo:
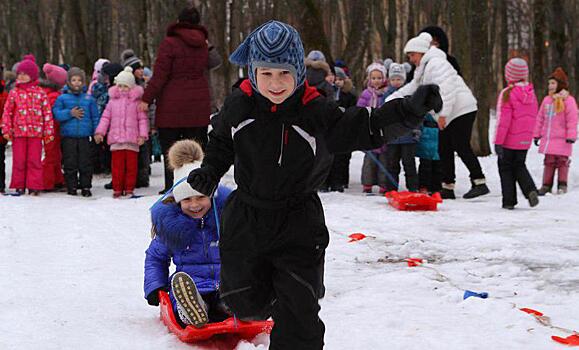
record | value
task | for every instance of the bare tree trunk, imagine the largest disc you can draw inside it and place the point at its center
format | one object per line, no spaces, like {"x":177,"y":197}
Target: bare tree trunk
{"x":539,"y":64}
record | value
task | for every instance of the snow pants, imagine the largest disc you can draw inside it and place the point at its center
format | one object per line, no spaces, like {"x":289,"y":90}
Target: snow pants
{"x":405,"y":153}
{"x":27,"y":163}
{"x":554,"y":162}
{"x":340,"y":172}
{"x":2,"y":165}
{"x":77,"y":162}
{"x":124,"y":170}
{"x":456,"y":138}
{"x":371,"y":172}
{"x":513,"y":170}
{"x":52,"y":162}
{"x":271,"y":258}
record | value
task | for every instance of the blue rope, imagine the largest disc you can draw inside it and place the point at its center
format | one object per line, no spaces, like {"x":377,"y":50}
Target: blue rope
{"x":382,"y":167}
{"x":168,"y":192}
{"x":216,"y":218}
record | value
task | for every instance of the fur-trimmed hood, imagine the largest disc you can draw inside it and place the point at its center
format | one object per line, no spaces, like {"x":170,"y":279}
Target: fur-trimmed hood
{"x":318,"y":65}
{"x":134,"y":94}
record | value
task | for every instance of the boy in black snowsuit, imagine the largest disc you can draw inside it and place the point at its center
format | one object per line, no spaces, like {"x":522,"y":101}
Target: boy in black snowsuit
{"x":277,"y":130}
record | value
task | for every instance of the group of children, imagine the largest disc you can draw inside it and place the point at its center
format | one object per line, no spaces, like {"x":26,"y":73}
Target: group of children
{"x":60,"y":115}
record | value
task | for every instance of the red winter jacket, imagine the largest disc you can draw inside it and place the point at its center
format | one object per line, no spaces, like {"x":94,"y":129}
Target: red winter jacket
{"x":179,"y":84}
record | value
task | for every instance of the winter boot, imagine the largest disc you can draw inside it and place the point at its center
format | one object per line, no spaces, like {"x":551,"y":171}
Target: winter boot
{"x":545,"y":189}
{"x":190,"y":305}
{"x":109,"y":186}
{"x":562,"y":188}
{"x":447,"y":191}
{"x":367,"y":189}
{"x":479,"y":188}
{"x":533,"y":198}
{"x":85,"y":192}
{"x":508,"y":207}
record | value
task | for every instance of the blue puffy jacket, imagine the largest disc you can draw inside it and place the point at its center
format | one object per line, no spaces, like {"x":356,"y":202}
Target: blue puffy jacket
{"x":193,"y":244}
{"x":428,"y":146}
{"x":69,"y":125}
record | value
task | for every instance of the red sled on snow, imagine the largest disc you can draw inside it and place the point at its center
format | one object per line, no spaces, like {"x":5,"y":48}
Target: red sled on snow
{"x":413,"y":201}
{"x":229,"y":327}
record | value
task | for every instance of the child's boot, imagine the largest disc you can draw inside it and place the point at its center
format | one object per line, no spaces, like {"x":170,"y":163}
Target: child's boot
{"x":561,"y":188}
{"x":479,"y":188}
{"x":190,"y":305}
{"x":545,"y":189}
{"x":533,"y":198}
{"x":85,"y":192}
{"x":367,"y":189}
{"x":447,"y":191}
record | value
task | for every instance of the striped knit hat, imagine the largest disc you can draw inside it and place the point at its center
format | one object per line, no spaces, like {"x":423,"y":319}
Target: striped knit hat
{"x":273,"y":45}
{"x":516,"y":70}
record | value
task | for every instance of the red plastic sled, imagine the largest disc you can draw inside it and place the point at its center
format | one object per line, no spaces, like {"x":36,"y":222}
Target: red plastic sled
{"x":412,"y":201}
{"x":243,"y":330}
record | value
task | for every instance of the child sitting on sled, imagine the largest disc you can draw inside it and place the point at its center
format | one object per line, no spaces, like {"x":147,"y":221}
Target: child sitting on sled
{"x":186,"y":231}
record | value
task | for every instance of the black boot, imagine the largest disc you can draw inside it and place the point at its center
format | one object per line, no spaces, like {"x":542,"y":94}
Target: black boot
{"x":479,"y":188}
{"x":533,"y":198}
{"x":447,"y":191}
{"x":85,"y":192}
{"x":545,"y":189}
{"x":109,"y":186}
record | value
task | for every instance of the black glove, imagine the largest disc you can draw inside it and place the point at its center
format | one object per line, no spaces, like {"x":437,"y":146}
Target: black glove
{"x":153,"y":297}
{"x":424,"y":99}
{"x":499,"y":150}
{"x":203,"y":181}
{"x":536,"y":141}
{"x":570,"y":141}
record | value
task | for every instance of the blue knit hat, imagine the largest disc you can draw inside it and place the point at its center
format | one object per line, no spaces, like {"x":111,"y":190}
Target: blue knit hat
{"x":273,"y":45}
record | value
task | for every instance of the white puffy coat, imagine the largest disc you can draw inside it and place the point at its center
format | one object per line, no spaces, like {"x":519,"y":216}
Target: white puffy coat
{"x":457,"y":98}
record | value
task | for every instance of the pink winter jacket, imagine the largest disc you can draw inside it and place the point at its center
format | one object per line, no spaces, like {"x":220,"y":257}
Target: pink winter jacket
{"x":122,"y":120}
{"x":555,"y":128}
{"x":27,"y":113}
{"x":516,"y":117}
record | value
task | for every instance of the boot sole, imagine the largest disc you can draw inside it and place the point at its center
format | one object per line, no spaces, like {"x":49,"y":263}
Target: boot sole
{"x":187,"y":297}
{"x":533,"y":199}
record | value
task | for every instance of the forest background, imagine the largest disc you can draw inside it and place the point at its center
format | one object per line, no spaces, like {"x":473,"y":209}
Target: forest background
{"x":483,"y":34}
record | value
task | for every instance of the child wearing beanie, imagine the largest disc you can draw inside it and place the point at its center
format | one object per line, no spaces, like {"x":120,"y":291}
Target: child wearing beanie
{"x":403,"y":148}
{"x":372,"y":96}
{"x":279,"y":132}
{"x":516,"y":113}
{"x":27,"y":121}
{"x":127,"y":128}
{"x":52,"y":163}
{"x":186,"y":225}
{"x":77,"y":113}
{"x":97,"y":73}
{"x":556,"y":130}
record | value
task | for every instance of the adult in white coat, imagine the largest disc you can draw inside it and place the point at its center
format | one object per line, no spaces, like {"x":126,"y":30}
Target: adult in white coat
{"x":456,"y":118}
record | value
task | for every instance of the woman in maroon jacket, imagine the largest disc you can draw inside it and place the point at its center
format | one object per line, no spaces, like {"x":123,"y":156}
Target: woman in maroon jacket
{"x":180,"y":85}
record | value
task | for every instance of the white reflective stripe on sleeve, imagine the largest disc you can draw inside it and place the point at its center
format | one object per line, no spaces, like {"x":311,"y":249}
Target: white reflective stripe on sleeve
{"x":309,"y":138}
{"x":241,"y":125}
{"x":369,"y":109}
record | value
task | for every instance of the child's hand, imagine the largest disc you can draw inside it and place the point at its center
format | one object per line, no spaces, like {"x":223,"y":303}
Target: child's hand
{"x":536,"y":141}
{"x":6,"y":137}
{"x":98,"y":138}
{"x":140,"y":140}
{"x":143,"y":106}
{"x":77,"y":112}
{"x":570,"y":141}
{"x":153,"y":297}
{"x":441,"y":122}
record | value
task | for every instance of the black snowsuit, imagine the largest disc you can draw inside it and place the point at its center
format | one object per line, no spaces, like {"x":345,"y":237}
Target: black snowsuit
{"x":273,"y":232}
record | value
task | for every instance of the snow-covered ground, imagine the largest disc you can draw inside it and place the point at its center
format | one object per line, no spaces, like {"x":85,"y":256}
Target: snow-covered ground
{"x":71,"y":270}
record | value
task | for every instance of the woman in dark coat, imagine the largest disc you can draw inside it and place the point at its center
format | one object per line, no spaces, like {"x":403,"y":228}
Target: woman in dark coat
{"x":180,"y":85}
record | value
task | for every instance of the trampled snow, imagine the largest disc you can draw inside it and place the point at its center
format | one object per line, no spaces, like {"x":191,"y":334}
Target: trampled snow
{"x":71,"y":270}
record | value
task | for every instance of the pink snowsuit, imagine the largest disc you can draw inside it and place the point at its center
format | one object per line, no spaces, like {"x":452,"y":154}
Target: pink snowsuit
{"x":28,"y":120}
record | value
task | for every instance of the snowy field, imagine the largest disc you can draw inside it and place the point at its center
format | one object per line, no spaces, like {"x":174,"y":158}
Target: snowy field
{"x":71,"y":270}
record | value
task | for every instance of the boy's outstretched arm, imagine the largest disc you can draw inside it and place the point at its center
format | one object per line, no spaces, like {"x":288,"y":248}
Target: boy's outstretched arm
{"x":363,"y":129}
{"x":219,"y":154}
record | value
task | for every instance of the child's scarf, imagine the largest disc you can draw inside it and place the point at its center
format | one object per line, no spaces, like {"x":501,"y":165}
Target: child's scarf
{"x":559,"y":100}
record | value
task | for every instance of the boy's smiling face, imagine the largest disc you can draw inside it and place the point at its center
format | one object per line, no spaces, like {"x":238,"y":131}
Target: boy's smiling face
{"x":275,"y":84}
{"x":196,"y":206}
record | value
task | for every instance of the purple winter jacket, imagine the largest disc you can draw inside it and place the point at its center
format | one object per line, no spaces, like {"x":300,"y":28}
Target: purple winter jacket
{"x":122,"y":120}
{"x":516,"y":117}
